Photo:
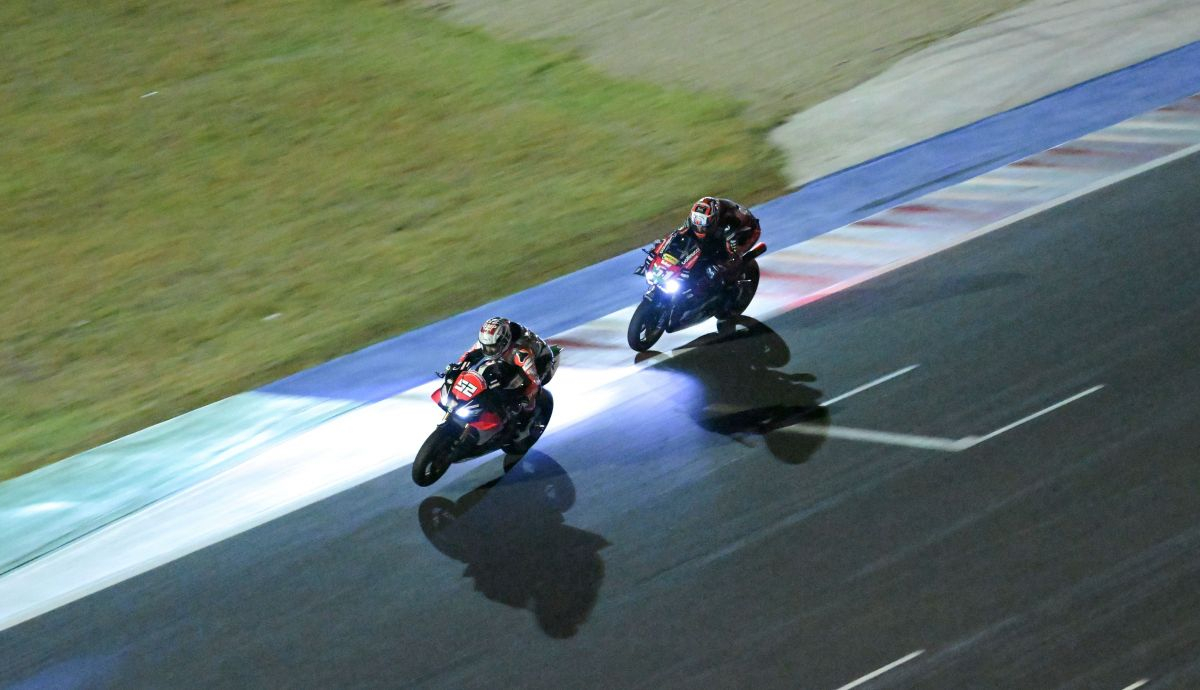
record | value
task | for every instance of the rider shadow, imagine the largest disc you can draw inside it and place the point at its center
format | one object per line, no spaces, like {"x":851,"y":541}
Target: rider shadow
{"x":511,"y":534}
{"x":745,"y":394}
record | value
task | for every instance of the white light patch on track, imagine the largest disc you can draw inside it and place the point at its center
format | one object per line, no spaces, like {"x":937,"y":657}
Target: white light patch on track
{"x":44,"y":507}
{"x":888,"y":438}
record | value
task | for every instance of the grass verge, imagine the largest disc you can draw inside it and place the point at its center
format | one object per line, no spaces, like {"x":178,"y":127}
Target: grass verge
{"x":358,"y":168}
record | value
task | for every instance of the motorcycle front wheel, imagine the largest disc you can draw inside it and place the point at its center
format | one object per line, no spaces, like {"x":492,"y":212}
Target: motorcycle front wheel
{"x":433,"y":459}
{"x":645,"y":328}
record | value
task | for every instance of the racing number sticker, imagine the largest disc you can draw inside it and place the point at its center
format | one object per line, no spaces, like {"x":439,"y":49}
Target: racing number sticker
{"x":465,"y":387}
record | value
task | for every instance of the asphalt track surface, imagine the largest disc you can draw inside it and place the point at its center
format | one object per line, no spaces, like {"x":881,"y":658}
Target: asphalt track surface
{"x":694,"y":538}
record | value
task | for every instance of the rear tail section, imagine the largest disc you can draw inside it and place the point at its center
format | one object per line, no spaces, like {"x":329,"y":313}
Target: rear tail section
{"x":552,"y":366}
{"x":755,"y":252}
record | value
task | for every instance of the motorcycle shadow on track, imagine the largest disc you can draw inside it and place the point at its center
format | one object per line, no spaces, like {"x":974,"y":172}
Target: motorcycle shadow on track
{"x":745,"y":394}
{"x":512,"y":535}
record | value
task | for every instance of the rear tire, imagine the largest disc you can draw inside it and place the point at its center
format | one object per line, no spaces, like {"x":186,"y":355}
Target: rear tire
{"x":644,"y":328}
{"x":741,"y":295}
{"x":433,"y":459}
{"x":545,"y":408}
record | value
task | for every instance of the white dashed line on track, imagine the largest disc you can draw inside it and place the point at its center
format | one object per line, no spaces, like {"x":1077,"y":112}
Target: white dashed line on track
{"x":870,"y":384}
{"x":1035,"y":415}
{"x":885,"y":669}
{"x":946,"y":445}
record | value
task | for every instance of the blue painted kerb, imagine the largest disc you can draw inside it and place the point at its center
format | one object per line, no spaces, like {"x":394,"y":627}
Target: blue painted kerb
{"x":400,"y":363}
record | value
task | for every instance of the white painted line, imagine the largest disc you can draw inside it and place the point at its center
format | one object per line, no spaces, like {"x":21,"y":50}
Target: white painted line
{"x":1183,"y":125}
{"x":975,"y":193}
{"x":888,"y":438}
{"x":885,"y":669}
{"x":1033,"y":416}
{"x":1159,"y":137}
{"x":1137,"y":685}
{"x":871,"y":384}
{"x":722,"y":408}
{"x":1002,"y":177}
{"x":147,"y":95}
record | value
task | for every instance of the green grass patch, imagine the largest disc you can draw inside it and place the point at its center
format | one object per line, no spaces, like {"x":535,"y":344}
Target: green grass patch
{"x":360,"y":168}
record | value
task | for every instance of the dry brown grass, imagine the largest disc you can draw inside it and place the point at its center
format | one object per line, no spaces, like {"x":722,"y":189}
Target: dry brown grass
{"x":780,"y":55}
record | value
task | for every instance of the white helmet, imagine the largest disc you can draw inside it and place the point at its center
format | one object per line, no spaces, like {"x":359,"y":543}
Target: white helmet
{"x":704,"y":216}
{"x":495,"y":335}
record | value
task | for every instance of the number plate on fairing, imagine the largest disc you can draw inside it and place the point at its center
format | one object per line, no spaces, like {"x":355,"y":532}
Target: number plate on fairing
{"x":468,"y":385}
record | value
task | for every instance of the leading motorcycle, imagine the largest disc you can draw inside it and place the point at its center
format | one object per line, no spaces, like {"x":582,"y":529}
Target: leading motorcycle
{"x":478,"y":419}
{"x":677,"y":299}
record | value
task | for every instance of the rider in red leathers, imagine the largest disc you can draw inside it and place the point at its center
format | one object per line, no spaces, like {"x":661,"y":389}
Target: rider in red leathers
{"x":512,"y":343}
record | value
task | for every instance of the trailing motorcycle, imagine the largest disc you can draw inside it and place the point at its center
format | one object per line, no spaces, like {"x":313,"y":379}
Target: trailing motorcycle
{"x":677,"y":299}
{"x":478,"y":418}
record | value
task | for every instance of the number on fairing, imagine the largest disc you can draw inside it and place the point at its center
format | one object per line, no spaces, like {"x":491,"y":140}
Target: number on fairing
{"x":465,"y":387}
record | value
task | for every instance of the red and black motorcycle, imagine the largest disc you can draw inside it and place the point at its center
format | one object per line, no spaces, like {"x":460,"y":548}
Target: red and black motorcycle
{"x":677,"y":298}
{"x":478,"y":418}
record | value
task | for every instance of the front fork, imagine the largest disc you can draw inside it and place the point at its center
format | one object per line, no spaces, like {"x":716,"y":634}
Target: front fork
{"x":463,"y":434}
{"x":666,"y":308}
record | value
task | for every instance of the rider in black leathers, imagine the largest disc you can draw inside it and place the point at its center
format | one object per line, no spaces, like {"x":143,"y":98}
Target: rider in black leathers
{"x":724,"y":230}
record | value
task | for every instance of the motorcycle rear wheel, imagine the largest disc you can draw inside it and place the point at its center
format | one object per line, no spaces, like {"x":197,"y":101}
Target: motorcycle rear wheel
{"x":545,"y":408}
{"x":742,"y":294}
{"x":433,"y":459}
{"x":644,"y":328}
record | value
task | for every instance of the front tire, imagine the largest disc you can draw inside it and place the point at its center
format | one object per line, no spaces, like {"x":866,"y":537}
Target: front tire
{"x":433,"y":459}
{"x":644,"y":327}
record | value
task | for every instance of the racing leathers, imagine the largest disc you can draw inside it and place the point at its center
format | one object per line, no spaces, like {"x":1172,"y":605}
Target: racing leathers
{"x":723,"y":229}
{"x":528,"y":356}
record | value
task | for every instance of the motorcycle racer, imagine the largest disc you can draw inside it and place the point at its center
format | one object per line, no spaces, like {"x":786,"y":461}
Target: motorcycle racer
{"x":510,"y":342}
{"x":723,"y":229}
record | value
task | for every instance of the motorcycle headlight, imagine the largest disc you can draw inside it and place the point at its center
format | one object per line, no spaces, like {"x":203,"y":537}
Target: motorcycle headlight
{"x":671,"y":286}
{"x":466,"y":411}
